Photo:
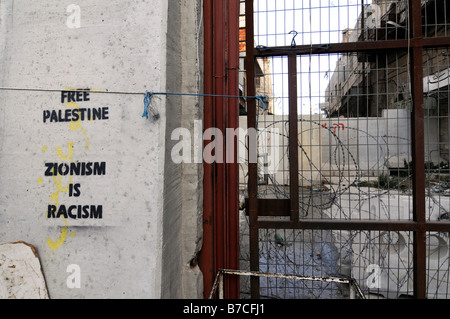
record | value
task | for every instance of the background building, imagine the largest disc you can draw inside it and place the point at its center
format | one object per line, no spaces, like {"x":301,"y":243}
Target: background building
{"x":365,"y":85}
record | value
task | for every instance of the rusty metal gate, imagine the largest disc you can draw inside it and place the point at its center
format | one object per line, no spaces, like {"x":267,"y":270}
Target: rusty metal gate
{"x":351,"y":177}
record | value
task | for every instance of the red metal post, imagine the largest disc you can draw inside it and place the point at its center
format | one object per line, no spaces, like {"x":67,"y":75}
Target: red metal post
{"x":232,"y":176}
{"x":252,"y":166}
{"x":219,"y":86}
{"x":221,"y":211}
{"x":293,"y":137}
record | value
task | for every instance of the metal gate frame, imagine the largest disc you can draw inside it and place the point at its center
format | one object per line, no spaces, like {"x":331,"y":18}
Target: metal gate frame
{"x":220,"y":184}
{"x":257,"y":207}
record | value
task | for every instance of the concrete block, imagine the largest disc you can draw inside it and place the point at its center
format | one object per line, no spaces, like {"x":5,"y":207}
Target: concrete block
{"x":21,"y":275}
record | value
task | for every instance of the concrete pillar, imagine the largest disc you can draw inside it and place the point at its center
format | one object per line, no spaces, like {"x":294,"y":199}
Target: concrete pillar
{"x":93,"y":191}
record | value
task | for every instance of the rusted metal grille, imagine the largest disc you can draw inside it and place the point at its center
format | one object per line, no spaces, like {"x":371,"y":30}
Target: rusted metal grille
{"x":352,"y":177}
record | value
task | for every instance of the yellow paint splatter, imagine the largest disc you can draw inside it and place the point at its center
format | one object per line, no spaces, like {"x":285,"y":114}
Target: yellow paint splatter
{"x":40,"y":180}
{"x":44,"y":148}
{"x":77,"y":124}
{"x":69,"y":155}
{"x":55,"y":245}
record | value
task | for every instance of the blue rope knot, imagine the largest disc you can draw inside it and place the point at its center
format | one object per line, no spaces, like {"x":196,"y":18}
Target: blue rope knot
{"x":147,"y":102}
{"x":261,"y":99}
{"x":147,"y":106}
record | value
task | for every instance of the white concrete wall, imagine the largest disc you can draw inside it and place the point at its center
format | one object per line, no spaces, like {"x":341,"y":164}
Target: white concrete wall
{"x":183,"y":192}
{"x":120,"y":46}
{"x":374,"y":144}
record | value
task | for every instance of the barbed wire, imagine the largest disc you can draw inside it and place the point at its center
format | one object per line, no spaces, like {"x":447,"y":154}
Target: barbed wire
{"x":339,"y":249}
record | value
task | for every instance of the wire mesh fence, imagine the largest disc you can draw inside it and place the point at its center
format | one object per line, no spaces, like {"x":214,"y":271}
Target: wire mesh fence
{"x":355,"y":147}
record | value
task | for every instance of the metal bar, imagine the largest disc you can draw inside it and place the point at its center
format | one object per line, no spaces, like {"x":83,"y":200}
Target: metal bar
{"x":272,"y":207}
{"x":363,"y":20}
{"x":252,"y":165}
{"x":436,"y":42}
{"x":219,"y":86}
{"x":293,"y":137}
{"x":352,"y":292}
{"x":220,"y":218}
{"x":232,"y":167}
{"x":328,"y":224}
{"x":217,"y":283}
{"x":351,"y":282}
{"x":221,"y":284}
{"x":367,"y":46}
{"x":310,"y":278}
{"x":281,"y":208}
{"x":206,"y":256}
{"x":355,"y":287}
{"x":418,"y":148}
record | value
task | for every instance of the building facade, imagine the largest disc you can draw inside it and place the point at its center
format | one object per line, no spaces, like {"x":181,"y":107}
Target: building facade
{"x":366,"y":85}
